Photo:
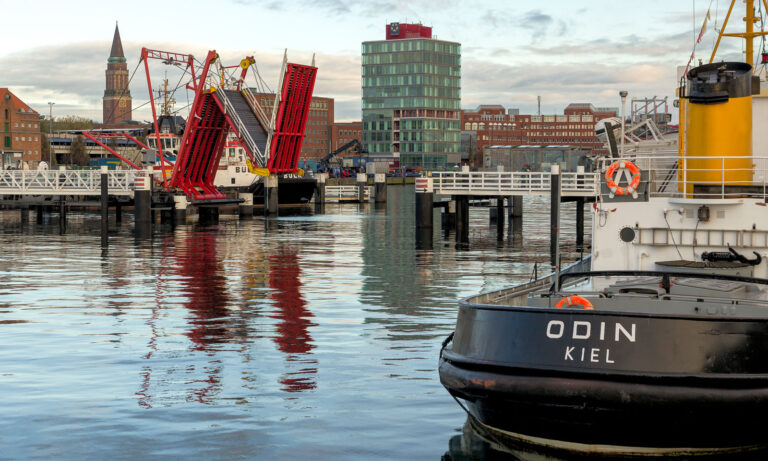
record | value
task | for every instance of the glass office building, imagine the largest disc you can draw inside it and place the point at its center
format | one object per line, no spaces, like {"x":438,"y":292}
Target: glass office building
{"x":412,"y":97}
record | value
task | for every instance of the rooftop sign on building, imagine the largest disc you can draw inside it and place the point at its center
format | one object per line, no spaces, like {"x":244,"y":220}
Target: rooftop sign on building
{"x":399,"y":31}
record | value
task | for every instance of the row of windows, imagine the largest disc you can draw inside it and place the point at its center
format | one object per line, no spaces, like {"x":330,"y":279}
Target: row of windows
{"x":438,"y":147}
{"x":426,"y":124}
{"x":411,"y":92}
{"x":426,"y":161}
{"x":23,"y":125}
{"x":562,"y":118}
{"x":431,"y":103}
{"x":349,"y":132}
{"x":25,"y":138}
{"x":390,"y":46}
{"x":422,"y":79}
{"x":412,"y":57}
{"x":448,"y":136}
{"x":415,"y":68}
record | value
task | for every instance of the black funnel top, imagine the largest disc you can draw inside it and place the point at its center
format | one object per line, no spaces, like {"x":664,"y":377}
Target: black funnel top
{"x":716,"y":83}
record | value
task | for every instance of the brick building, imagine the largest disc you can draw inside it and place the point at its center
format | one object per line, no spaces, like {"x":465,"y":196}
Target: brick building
{"x":117,"y":104}
{"x":317,"y":135}
{"x":344,"y":132}
{"x":21,"y":138}
{"x":495,"y":126}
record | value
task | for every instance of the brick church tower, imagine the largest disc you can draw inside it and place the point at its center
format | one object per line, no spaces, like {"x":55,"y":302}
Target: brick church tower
{"x":117,"y":102}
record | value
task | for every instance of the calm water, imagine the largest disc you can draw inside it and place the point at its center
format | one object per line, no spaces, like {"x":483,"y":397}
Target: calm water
{"x":311,"y":336}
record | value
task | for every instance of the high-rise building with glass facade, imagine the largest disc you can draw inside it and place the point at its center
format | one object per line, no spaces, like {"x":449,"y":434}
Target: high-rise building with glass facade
{"x":412,"y":97}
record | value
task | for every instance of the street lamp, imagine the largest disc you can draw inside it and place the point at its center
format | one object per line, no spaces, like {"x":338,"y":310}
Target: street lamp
{"x":50,"y":133}
{"x":623,"y":95}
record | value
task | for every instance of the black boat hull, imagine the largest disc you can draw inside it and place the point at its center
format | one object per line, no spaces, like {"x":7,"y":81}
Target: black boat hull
{"x":615,"y":383}
{"x":290,"y":191}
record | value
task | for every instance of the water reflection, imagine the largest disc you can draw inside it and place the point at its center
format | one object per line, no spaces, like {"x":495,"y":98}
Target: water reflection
{"x":292,"y":335}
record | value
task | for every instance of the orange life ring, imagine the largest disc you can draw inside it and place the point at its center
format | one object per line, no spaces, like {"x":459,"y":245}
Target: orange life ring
{"x":611,"y":183}
{"x":574,"y":300}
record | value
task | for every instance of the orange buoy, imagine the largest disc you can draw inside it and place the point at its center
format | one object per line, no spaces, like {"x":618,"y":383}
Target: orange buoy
{"x":610,"y":181}
{"x":574,"y":300}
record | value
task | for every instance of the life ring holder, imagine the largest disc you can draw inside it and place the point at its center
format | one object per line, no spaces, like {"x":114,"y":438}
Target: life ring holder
{"x":610,"y":179}
{"x":574,"y":300}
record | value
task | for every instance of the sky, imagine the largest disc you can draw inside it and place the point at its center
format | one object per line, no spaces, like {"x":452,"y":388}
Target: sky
{"x":512,"y":51}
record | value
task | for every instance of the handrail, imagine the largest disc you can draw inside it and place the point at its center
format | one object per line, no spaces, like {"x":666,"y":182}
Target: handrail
{"x":244,"y":134}
{"x":65,"y":182}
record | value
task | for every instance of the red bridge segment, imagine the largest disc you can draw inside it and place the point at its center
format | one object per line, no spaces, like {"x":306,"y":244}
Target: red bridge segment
{"x":292,"y":112}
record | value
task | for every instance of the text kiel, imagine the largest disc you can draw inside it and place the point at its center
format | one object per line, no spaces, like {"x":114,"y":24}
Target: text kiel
{"x":582,"y":330}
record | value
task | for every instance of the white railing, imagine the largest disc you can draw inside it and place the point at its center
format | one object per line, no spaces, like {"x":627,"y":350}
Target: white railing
{"x":699,"y":177}
{"x":512,"y":183}
{"x":347,"y":193}
{"x":65,"y":182}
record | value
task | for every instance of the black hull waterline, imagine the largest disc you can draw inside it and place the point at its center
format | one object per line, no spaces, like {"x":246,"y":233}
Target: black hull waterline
{"x":290,"y":191}
{"x":584,"y":378}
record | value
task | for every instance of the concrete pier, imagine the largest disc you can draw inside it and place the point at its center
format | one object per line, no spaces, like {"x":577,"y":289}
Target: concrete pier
{"x":380,"y":185}
{"x":424,"y":198}
{"x":362,"y":183}
{"x":462,"y":219}
{"x":245,"y":208}
{"x":180,"y":208}
{"x":516,"y":206}
{"x":270,"y":192}
{"x":142,"y":199}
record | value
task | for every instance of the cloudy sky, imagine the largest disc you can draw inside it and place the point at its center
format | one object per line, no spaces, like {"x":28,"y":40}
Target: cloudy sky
{"x":564,"y":50}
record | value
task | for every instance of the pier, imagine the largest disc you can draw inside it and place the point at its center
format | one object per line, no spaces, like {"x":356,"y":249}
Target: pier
{"x":462,"y":188}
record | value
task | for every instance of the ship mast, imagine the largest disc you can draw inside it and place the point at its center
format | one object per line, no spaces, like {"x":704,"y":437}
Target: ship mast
{"x":749,"y":35}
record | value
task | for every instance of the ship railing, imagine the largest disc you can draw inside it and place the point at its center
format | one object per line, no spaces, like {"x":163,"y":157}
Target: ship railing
{"x":701,"y":177}
{"x":484,"y":183}
{"x":65,"y":182}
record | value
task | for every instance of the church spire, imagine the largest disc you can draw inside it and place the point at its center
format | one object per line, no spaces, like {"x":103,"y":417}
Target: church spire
{"x":116,"y":55}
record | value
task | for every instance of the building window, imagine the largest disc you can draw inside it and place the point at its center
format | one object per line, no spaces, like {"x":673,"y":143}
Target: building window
{"x":6,"y":114}
{"x":7,"y":141}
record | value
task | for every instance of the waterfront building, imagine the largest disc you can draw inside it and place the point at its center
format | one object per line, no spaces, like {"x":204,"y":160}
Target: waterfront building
{"x":344,"y":132}
{"x":575,"y":127}
{"x":117,"y":105}
{"x":536,"y":158}
{"x":317,"y":134}
{"x":412,"y":97}
{"x":21,"y":138}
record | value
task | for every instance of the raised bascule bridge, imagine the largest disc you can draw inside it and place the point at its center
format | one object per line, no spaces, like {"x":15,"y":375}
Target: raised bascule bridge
{"x":221,"y":105}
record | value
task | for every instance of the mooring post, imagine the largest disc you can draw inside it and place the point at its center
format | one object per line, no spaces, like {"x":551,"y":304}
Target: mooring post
{"x":362,"y":183}
{"x":24,"y":215}
{"x":62,"y":215}
{"x":142,"y":198}
{"x":462,"y":218}
{"x":516,"y":206}
{"x":424,"y":197}
{"x":39,"y":213}
{"x":245,"y":208}
{"x":500,"y":217}
{"x":270,"y":190}
{"x":180,"y":206}
{"x":554,"y":236}
{"x":118,"y":212}
{"x":380,"y":182}
{"x":580,"y":224}
{"x":320,"y":188}
{"x":104,"y":206}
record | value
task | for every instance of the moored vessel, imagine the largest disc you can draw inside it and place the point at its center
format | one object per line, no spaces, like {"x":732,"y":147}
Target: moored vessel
{"x":656,"y":344}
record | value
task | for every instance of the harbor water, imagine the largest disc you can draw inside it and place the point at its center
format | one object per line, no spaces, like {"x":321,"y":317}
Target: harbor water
{"x":308,"y":336}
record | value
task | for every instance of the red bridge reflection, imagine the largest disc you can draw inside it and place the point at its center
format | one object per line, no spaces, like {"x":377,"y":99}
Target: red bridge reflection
{"x":293,"y":336}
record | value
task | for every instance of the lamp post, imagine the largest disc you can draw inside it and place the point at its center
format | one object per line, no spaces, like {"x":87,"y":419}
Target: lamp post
{"x":623,"y":95}
{"x":50,"y":133}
